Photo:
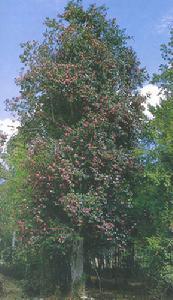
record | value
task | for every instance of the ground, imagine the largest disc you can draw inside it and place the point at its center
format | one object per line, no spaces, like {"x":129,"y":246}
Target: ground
{"x":10,"y":289}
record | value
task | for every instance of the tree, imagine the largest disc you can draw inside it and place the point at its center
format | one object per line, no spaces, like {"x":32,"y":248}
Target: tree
{"x":161,"y":126}
{"x":154,"y":203}
{"x":81,"y":115}
{"x":80,"y":88}
{"x":3,"y":138}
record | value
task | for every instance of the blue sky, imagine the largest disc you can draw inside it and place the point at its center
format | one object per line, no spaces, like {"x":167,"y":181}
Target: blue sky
{"x":147,"y":21}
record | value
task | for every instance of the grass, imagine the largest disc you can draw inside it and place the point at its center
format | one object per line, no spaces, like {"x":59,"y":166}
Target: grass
{"x":10,"y":289}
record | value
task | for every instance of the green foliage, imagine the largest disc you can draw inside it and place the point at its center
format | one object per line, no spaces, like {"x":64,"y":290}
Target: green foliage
{"x":154,"y":201}
{"x":13,"y":193}
{"x":164,"y":79}
{"x":159,"y":266}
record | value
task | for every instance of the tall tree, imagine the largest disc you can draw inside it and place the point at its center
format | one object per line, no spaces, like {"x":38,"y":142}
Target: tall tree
{"x":81,"y":112}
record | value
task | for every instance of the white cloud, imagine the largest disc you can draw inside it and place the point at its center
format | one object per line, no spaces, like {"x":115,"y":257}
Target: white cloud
{"x":165,"y":23}
{"x":9,"y":126}
{"x":153,"y":95}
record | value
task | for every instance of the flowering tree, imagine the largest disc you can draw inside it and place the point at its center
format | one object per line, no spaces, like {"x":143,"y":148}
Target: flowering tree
{"x":81,"y":113}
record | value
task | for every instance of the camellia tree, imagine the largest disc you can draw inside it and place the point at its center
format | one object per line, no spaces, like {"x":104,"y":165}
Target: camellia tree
{"x":81,"y":116}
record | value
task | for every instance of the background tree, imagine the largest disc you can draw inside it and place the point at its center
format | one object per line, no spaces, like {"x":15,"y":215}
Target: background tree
{"x":154,"y":203}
